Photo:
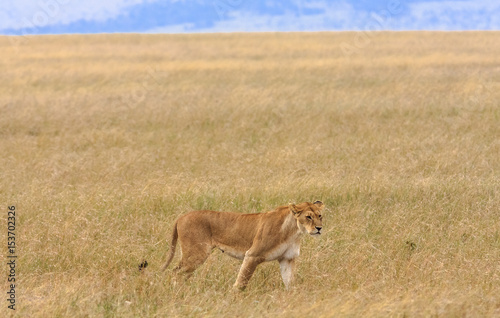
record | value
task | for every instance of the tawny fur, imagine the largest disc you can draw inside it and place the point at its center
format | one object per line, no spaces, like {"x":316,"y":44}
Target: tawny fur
{"x":254,"y":238}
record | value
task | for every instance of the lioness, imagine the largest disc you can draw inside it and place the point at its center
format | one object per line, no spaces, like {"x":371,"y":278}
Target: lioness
{"x":253,"y":238}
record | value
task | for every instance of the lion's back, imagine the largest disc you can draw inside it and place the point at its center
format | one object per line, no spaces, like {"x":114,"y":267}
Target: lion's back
{"x":229,"y":228}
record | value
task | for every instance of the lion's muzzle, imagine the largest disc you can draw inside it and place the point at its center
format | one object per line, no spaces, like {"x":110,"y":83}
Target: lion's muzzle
{"x":318,"y":231}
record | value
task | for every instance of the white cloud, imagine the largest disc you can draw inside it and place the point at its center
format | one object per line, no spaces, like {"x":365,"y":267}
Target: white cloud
{"x":452,"y":15}
{"x":332,"y":15}
{"x":433,"y":15}
{"x":341,"y":14}
{"x":28,"y":13}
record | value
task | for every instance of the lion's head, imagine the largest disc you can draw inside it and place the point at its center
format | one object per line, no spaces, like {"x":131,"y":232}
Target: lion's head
{"x":308,"y":216}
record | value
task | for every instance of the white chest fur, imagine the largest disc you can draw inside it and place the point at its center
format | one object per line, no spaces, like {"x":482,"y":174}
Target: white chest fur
{"x":286,"y":250}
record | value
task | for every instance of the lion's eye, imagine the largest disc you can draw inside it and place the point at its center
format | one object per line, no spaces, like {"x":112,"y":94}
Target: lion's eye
{"x":319,"y":216}
{"x":309,"y":217}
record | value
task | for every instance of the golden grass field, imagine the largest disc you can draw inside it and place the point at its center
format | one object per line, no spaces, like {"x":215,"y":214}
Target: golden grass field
{"x":107,"y":139}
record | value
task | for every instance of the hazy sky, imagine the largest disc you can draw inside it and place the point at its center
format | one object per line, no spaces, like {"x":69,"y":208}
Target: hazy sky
{"x":179,"y":16}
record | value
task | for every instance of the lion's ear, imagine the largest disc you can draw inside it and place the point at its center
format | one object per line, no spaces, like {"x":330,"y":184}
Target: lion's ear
{"x":319,"y":204}
{"x":293,"y":208}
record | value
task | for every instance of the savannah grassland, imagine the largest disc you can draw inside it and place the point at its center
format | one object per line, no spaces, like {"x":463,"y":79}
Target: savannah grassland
{"x":106,"y":139}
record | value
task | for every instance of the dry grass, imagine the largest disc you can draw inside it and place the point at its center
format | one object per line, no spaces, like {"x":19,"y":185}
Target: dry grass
{"x":106,"y":139}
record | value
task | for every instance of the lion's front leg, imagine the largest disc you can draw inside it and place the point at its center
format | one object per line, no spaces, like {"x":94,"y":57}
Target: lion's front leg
{"x":247,"y":269}
{"x":287,"y":267}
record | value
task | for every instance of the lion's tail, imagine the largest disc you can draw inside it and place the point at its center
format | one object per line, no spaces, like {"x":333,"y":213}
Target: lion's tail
{"x":173,"y":244}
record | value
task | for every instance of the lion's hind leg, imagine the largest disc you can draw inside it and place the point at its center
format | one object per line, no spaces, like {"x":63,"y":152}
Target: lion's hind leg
{"x":192,"y":257}
{"x":195,"y":240}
